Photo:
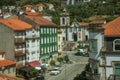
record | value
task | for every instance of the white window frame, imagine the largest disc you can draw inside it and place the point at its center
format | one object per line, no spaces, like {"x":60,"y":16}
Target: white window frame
{"x":115,"y":44}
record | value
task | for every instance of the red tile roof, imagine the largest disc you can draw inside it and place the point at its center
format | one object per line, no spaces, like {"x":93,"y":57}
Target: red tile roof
{"x":39,"y":5}
{"x":15,"y":24}
{"x":112,"y":28}
{"x":27,"y":5}
{"x":31,"y":13}
{"x":6,"y":63}
{"x":34,"y":64}
{"x":84,"y":24}
{"x":41,"y":21}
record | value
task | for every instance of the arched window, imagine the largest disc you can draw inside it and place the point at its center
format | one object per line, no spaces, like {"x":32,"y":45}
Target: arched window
{"x":63,"y":20}
{"x":116,"y":45}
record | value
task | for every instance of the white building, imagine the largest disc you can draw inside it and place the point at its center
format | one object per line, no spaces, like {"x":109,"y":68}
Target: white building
{"x":60,"y":41}
{"x":78,"y":31}
{"x":110,"y":57}
{"x":32,"y":45}
{"x":96,"y":43}
{"x":76,"y":2}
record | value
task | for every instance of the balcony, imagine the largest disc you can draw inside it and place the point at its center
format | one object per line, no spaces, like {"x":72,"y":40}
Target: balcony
{"x":19,"y":53}
{"x":32,"y":36}
{"x":19,"y":40}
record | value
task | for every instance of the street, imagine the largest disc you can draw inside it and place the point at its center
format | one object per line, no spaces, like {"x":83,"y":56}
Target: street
{"x":69,"y":71}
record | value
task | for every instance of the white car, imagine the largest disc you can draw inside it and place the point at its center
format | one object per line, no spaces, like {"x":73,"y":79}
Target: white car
{"x":55,"y":71}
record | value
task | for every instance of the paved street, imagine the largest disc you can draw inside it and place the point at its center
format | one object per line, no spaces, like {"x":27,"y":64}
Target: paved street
{"x":69,"y":71}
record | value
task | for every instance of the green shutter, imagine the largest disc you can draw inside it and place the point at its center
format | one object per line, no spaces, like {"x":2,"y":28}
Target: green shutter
{"x":117,"y":69}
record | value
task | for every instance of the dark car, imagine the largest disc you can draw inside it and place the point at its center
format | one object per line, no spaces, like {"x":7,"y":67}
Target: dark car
{"x":79,"y":54}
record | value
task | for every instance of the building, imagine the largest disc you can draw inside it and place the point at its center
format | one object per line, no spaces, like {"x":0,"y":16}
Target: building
{"x":78,"y":31}
{"x":6,"y":66}
{"x":60,"y":41}
{"x":96,"y":43}
{"x":96,"y":37}
{"x":13,"y":30}
{"x":64,"y":24}
{"x":48,"y":35}
{"x":39,"y":7}
{"x":74,"y":2}
{"x":110,"y":57}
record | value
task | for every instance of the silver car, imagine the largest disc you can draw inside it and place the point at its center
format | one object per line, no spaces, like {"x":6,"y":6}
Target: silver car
{"x":55,"y":71}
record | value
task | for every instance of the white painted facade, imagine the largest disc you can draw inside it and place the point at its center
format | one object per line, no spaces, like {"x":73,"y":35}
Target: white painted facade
{"x":110,"y":61}
{"x":60,"y":42}
{"x":80,"y":31}
{"x":99,"y":43}
{"x":32,"y":45}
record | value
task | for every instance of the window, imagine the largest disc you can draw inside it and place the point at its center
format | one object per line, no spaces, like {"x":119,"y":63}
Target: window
{"x":33,"y":52}
{"x":45,"y":49}
{"x":41,"y":40}
{"x":41,"y":30}
{"x":45,"y":40}
{"x":59,"y":38}
{"x":55,"y":30}
{"x":63,"y":20}
{"x":93,"y":45}
{"x":44,"y":30}
{"x":59,"y":47}
{"x":33,"y":40}
{"x":116,"y":45}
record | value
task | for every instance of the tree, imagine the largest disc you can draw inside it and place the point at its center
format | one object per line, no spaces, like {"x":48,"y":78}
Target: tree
{"x":52,"y":62}
{"x":7,"y":2}
{"x":66,"y":58}
{"x":60,"y":59}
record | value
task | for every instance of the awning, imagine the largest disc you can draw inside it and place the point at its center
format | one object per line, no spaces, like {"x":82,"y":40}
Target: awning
{"x":38,"y":68}
{"x":34,"y":64}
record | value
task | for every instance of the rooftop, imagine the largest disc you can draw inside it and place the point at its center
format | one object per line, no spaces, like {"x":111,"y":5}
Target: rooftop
{"x":6,"y":63}
{"x":113,"y":28}
{"x":15,"y":24}
{"x":41,"y":21}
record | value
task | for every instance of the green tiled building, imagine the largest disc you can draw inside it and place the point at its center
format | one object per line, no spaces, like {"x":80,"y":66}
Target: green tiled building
{"x":48,"y":42}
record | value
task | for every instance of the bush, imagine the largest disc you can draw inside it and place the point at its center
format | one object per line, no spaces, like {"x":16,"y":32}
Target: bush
{"x":52,"y":62}
{"x":66,"y":58}
{"x":60,"y":59}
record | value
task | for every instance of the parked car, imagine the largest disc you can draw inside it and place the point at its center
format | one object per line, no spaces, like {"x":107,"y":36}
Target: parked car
{"x":80,"y":52}
{"x":55,"y":71}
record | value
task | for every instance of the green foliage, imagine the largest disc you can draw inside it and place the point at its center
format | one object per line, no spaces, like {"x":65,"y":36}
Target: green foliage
{"x":33,"y":72}
{"x":52,"y":62}
{"x":7,"y":2}
{"x":66,"y":58}
{"x":60,"y":59}
{"x":110,"y":18}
